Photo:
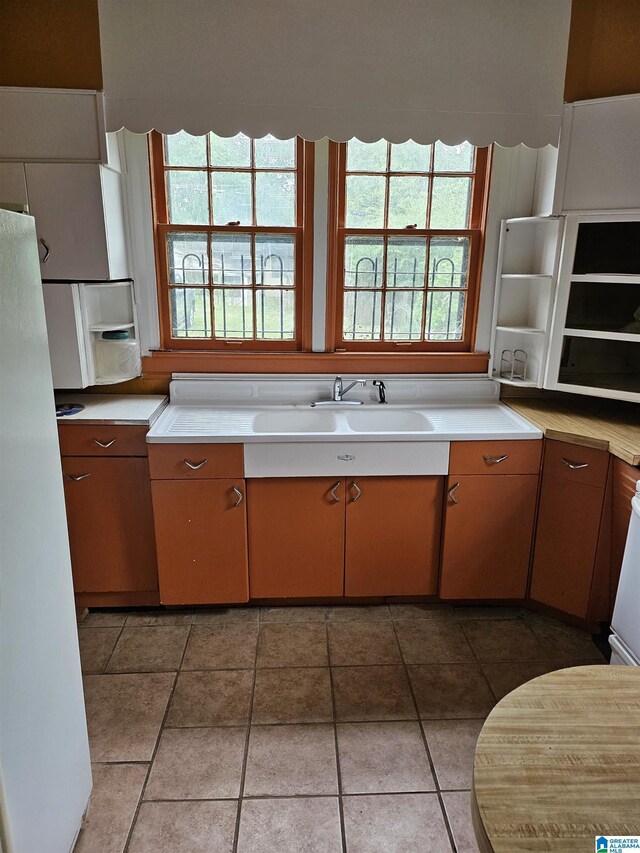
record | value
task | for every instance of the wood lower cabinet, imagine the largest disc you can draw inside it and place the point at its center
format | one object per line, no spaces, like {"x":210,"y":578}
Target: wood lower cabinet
{"x":201,"y":538}
{"x":392,"y":535}
{"x":110,"y":523}
{"x":569,"y":526}
{"x":327,"y":537}
{"x":488,"y":530}
{"x":296,"y":537}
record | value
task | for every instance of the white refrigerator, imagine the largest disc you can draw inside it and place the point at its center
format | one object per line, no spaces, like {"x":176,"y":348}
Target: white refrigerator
{"x":45,"y":771}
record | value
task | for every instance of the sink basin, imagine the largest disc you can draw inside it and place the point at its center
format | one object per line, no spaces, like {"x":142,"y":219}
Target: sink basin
{"x":388,"y":420}
{"x":292,"y":421}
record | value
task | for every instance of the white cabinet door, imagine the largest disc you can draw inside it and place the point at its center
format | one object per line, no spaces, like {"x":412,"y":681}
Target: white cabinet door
{"x":68,"y":204}
{"x":598,"y":161}
{"x":13,"y":187}
{"x":69,"y":364}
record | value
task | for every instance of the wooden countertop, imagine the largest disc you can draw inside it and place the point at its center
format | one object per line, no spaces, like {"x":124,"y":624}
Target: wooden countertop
{"x":607,"y":425}
{"x":558,"y":762}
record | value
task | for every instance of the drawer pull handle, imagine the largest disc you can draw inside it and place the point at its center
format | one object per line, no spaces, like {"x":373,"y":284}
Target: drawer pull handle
{"x":346,"y":457}
{"x":574,"y":465}
{"x":452,"y":493}
{"x":238,"y":494}
{"x":104,"y":444}
{"x":332,"y":492}
{"x":77,"y":477}
{"x":358,"y":491}
{"x":194,"y":465}
{"x":494,"y":460}
{"x":47,"y":251}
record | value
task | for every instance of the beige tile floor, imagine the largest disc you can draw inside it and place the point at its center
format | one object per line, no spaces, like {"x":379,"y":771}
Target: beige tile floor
{"x":291,"y":729}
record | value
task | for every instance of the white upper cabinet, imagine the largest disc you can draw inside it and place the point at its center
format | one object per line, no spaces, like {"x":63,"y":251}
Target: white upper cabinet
{"x":79,"y":220}
{"x":599,"y":159}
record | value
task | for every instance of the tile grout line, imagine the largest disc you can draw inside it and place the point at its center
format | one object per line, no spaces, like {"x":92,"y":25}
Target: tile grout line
{"x":343,"y":831}
{"x":106,"y":666}
{"x":306,"y":796}
{"x":436,"y":781}
{"x":155,"y":748}
{"x":245,"y":757}
{"x":479,"y":663}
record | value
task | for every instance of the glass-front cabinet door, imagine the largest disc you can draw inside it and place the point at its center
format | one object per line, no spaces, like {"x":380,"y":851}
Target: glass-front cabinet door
{"x":595,"y":340}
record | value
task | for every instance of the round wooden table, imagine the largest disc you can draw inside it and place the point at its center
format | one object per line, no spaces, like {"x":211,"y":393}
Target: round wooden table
{"x":558,"y":763}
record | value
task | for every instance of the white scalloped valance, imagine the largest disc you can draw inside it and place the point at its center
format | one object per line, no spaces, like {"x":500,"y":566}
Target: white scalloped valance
{"x":478,"y":70}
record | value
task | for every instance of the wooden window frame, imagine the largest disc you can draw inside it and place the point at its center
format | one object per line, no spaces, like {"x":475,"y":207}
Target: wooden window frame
{"x":303,"y":242}
{"x":335,"y":261}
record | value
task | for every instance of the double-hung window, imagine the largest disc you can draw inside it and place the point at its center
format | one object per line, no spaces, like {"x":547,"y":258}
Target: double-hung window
{"x":408,"y":243}
{"x":234,"y":244}
{"x":232,"y":217}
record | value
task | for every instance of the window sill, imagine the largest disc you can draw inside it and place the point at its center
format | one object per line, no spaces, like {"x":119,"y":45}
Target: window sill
{"x":166,"y":362}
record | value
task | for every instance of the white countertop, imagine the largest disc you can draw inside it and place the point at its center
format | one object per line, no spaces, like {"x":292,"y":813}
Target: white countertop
{"x":128,"y":409}
{"x":261,"y":410}
{"x":451,"y":421}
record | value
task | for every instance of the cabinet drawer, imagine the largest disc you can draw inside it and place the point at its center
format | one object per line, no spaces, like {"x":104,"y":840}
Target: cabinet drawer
{"x":104,"y":440}
{"x":195,"y":461}
{"x":495,"y":457}
{"x":576,"y":463}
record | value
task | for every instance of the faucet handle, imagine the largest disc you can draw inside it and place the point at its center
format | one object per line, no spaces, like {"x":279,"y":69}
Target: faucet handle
{"x":382,"y":397}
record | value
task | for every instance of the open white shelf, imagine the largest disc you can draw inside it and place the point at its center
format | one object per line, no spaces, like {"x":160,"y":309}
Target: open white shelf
{"x":110,"y":327}
{"x":593,"y":350}
{"x":522,"y":330}
{"x":525,"y":287}
{"x":609,"y":278}
{"x":601,"y":335}
{"x":529,"y":246}
{"x":522,"y":383}
{"x":524,"y":276}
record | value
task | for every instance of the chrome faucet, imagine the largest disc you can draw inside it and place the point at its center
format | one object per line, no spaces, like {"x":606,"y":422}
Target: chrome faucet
{"x":339,"y":390}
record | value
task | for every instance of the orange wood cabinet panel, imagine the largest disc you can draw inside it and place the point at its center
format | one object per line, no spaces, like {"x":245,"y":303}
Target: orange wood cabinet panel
{"x":495,"y":457}
{"x":393,"y":535}
{"x":296,"y":537}
{"x":567,"y":533}
{"x":576,"y":463}
{"x":102,"y":440}
{"x":487,"y":536}
{"x":110,"y":523}
{"x":201,"y":537}
{"x":195,"y":461}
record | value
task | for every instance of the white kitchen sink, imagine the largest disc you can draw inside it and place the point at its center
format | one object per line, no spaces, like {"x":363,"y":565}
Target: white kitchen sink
{"x":388,"y":420}
{"x":294,"y":421}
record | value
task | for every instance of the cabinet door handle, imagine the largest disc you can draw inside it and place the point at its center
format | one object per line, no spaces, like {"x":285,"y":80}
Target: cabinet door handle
{"x":494,"y":460}
{"x":47,"y":251}
{"x":194,"y":465}
{"x":574,"y":465}
{"x":77,"y":477}
{"x":358,"y":491}
{"x":238,"y":494}
{"x":104,"y":444}
{"x":332,"y":492}
{"x":452,"y":493}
